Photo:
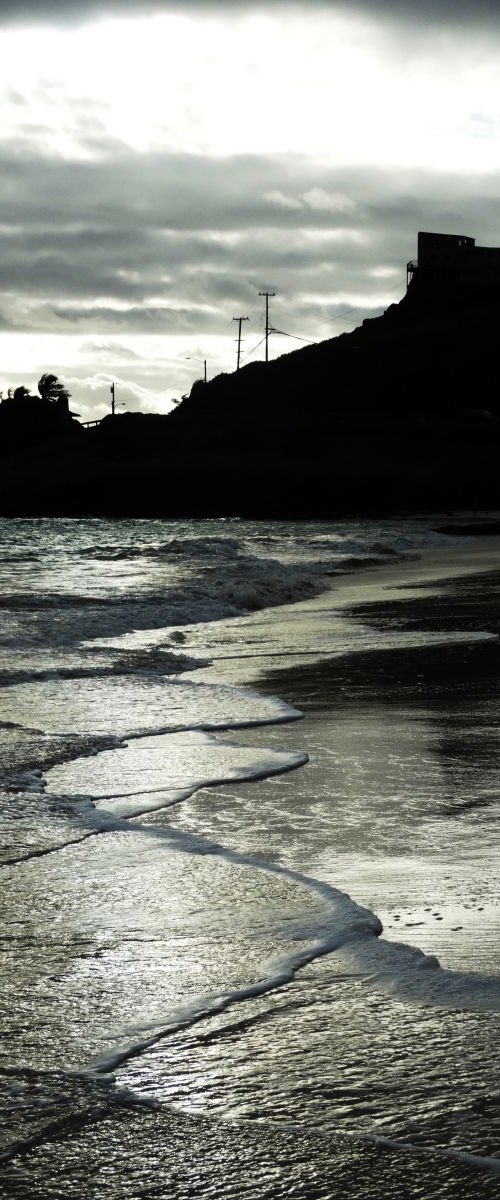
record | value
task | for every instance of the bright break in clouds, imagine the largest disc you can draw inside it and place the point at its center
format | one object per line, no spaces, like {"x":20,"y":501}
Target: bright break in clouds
{"x":160,"y":170}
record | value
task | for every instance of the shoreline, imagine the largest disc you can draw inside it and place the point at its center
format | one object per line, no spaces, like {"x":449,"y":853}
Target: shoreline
{"x":440,"y":688}
{"x":421,"y":573}
{"x":357,"y":706}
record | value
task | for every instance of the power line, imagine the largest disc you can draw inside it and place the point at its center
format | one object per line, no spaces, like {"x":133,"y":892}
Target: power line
{"x":345,"y":313}
{"x":335,"y":317}
{"x":310,"y":341}
{"x":254,"y":348}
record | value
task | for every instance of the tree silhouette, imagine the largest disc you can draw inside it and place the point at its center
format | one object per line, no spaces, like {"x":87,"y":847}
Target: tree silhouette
{"x":50,"y":388}
{"x":29,"y":420}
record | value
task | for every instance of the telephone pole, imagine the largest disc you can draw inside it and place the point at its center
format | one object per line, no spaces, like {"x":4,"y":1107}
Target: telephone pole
{"x":267,"y":295}
{"x":240,"y":321}
{"x":112,"y":390}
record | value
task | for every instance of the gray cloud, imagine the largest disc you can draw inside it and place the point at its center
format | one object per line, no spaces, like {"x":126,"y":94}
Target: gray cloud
{"x":102,"y":247}
{"x":455,"y":12}
{"x":117,"y":244}
{"x":160,"y":243}
{"x":110,"y":351}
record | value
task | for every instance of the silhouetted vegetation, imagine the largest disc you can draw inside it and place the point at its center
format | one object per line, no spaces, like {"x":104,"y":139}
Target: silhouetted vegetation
{"x":27,"y":420}
{"x":52,"y":390}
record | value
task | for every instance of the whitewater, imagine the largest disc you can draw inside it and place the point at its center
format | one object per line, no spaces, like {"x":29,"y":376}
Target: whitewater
{"x":234,"y":885}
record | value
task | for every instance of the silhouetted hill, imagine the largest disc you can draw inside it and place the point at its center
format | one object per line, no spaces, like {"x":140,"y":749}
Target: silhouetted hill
{"x":401,"y":414}
{"x":430,"y":357}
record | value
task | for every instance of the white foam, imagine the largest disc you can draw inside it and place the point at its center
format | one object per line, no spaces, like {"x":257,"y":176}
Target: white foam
{"x":341,"y":921}
{"x":281,"y":971}
{"x":344,"y":927}
{"x":124,"y":706}
{"x":156,"y":772}
{"x":398,"y":969}
{"x":28,"y":781}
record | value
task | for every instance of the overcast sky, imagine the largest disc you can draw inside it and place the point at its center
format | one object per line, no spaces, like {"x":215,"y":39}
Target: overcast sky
{"x":164,"y":163}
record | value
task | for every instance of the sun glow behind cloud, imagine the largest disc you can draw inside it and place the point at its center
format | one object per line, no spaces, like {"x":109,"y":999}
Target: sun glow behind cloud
{"x":169,"y":113}
{"x":254,"y":84}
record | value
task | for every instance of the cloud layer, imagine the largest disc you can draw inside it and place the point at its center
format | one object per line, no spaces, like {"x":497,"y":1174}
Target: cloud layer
{"x":141,"y":210}
{"x":416,"y":11}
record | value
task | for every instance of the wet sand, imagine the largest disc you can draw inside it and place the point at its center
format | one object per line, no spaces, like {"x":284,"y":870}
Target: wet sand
{"x":444,"y":693}
{"x":129,"y":1154}
{"x":450,"y":694}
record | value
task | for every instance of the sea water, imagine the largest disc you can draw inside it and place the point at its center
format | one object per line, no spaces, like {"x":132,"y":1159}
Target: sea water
{"x":193,"y":877}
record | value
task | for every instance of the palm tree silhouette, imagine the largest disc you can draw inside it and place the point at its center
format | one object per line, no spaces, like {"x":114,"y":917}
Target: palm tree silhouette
{"x":51,"y":388}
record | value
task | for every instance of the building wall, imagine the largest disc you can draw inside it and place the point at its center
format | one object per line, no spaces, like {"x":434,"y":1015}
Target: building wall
{"x":455,"y":257}
{"x":444,"y":249}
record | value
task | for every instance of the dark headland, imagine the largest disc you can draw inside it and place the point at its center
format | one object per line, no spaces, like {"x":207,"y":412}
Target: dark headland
{"x":402,"y":414}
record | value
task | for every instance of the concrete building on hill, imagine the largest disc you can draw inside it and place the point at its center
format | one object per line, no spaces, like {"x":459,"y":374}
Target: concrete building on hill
{"x":451,"y":258}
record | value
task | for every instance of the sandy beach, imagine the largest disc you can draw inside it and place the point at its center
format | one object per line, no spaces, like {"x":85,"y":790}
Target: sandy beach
{"x":372,"y":1072}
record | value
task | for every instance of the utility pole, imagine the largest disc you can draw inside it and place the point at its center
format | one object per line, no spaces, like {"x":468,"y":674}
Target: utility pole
{"x":267,"y":295}
{"x":112,"y":390}
{"x":240,"y":321}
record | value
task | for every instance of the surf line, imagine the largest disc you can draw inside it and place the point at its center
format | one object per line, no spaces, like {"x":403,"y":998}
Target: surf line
{"x":360,"y":923}
{"x":103,"y":821}
{"x":480,"y":1161}
{"x":356,"y":931}
{"x":285,"y":971}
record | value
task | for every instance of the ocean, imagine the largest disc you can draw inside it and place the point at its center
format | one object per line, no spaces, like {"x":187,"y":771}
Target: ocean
{"x":249,"y":860}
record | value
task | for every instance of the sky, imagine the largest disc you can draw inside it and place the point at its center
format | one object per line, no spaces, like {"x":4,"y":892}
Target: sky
{"x":164,"y":163}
